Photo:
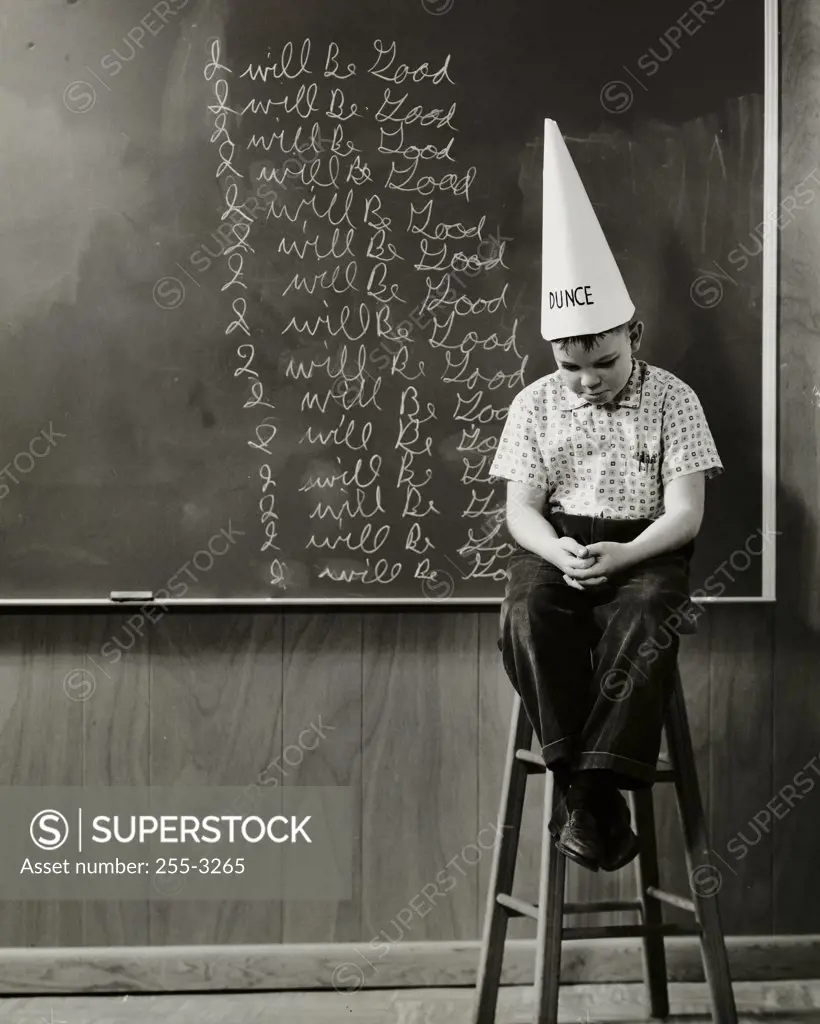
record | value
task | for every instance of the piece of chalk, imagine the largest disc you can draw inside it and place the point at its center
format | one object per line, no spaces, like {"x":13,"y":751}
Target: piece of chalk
{"x":131,"y":595}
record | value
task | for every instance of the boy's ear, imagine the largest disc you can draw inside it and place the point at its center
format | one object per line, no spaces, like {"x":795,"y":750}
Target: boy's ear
{"x":635,"y":334}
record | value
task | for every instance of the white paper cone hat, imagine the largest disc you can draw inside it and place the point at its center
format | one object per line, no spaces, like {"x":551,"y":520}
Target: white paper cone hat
{"x":582,"y":291}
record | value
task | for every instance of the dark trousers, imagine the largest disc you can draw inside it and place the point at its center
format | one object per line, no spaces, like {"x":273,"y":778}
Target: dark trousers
{"x":594,"y":667}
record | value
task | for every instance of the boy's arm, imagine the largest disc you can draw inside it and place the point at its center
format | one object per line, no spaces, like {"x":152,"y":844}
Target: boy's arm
{"x":690,"y":458}
{"x":525,"y":519}
{"x":683,"y":500}
{"x":519,"y":461}
{"x":527,"y":525}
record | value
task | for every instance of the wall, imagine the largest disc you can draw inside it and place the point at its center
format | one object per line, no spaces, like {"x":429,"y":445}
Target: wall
{"x":415,"y":704}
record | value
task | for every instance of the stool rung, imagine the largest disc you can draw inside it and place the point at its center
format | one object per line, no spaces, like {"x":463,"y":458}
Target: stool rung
{"x":603,"y":907}
{"x":669,"y":897}
{"x":532,"y":762}
{"x":516,"y":907}
{"x":624,"y":931}
{"x":520,"y":908}
{"x":664,"y":775}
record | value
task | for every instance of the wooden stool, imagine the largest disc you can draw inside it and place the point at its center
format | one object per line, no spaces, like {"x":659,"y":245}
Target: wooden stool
{"x":501,"y":905}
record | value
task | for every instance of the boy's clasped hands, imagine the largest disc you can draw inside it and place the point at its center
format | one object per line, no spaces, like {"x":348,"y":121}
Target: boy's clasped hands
{"x":590,"y":565}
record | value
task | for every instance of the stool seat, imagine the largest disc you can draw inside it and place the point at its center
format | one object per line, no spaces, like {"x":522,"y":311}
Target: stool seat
{"x":534,"y":762}
{"x":676,"y":766}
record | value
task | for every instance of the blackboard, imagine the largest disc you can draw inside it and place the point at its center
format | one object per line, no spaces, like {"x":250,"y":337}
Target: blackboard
{"x":232,"y":370}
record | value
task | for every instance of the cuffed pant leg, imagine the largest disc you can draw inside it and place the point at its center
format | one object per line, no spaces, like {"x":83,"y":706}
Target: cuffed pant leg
{"x":634,"y":661}
{"x":545,"y":646}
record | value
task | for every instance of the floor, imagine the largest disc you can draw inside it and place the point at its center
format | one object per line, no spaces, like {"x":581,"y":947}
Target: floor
{"x":784,"y":1002}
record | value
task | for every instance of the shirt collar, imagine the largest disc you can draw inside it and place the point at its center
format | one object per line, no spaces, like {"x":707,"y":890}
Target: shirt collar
{"x":629,"y":397}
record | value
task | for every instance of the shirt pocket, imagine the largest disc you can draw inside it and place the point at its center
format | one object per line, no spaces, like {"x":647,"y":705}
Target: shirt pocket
{"x":643,"y":490}
{"x":633,"y":466}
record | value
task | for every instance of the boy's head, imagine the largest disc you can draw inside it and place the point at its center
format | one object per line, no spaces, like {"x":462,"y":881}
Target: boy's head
{"x":598,"y":366}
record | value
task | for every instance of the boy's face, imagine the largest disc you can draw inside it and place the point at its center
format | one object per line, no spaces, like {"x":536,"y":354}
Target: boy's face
{"x":600,"y":374}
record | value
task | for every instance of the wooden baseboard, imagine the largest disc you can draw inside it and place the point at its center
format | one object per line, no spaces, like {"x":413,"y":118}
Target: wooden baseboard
{"x":348,"y":966}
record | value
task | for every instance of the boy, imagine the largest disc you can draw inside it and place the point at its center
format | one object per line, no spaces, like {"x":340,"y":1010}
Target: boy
{"x":605,"y":461}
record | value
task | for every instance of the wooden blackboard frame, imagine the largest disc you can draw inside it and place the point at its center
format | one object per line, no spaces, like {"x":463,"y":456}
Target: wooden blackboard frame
{"x":771,"y":197}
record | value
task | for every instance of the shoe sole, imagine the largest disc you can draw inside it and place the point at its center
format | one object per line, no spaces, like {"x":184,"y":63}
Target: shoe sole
{"x":569,"y":852}
{"x":626,"y":857}
{"x":573,"y":855}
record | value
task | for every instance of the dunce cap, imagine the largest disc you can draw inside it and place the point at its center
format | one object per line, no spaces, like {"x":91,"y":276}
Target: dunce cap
{"x":582,"y":291}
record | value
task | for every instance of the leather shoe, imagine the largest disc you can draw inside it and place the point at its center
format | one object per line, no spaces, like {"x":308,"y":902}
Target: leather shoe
{"x":619,"y":843}
{"x":576,"y":836}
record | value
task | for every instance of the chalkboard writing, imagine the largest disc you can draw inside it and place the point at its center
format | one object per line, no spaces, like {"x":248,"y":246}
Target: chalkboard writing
{"x":381,"y":250}
{"x":301,"y":320}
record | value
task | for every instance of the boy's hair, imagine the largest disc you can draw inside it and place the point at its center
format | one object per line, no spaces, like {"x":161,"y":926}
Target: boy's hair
{"x":588,"y":341}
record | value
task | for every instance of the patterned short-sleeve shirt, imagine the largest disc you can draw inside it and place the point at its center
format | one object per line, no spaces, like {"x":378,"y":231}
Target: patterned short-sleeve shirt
{"x":611,"y":460}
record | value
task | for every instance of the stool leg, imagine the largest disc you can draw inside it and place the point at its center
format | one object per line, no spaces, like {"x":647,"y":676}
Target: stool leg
{"x":550,"y":918}
{"x":647,"y":874}
{"x":696,"y":839}
{"x":511,"y":811}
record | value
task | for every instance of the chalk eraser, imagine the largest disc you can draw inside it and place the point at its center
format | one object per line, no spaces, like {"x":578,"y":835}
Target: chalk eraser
{"x":131,"y":595}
